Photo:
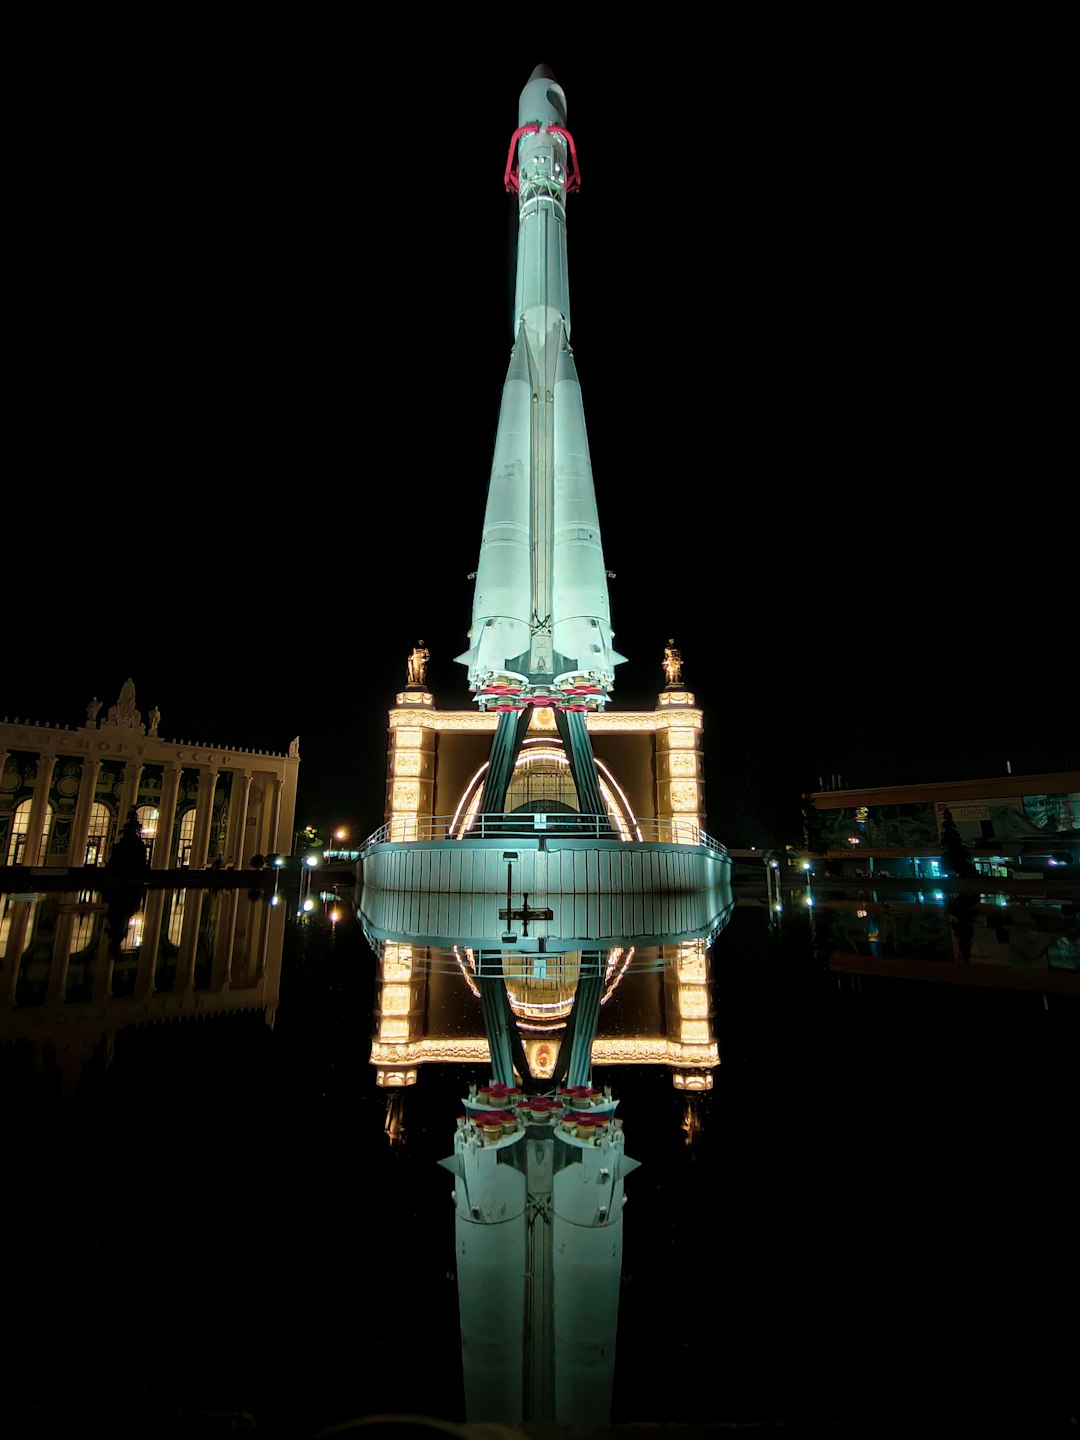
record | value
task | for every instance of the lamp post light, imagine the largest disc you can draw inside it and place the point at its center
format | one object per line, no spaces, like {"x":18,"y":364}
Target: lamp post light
{"x":304,"y":899}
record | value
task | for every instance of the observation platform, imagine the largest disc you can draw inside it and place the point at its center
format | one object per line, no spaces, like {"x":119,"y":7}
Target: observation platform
{"x":541,"y":883}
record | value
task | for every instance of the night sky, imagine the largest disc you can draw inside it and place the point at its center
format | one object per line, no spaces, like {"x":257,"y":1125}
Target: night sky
{"x":261,"y":311}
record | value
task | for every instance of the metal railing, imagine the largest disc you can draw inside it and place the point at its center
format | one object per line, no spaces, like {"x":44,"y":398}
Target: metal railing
{"x":567,"y":825}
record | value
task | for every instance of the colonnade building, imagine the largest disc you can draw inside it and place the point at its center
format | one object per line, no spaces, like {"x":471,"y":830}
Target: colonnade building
{"x":65,"y":793}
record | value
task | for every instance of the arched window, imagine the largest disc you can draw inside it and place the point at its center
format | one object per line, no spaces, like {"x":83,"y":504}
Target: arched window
{"x":97,"y":834}
{"x":20,"y":828}
{"x":7,"y":910}
{"x":147,"y":816}
{"x":20,"y":824}
{"x":186,"y":837}
{"x":84,"y":925}
{"x":541,"y":781}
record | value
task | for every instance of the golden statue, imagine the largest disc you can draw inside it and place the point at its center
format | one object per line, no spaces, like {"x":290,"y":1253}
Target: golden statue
{"x":672,"y":664}
{"x":418,"y":662}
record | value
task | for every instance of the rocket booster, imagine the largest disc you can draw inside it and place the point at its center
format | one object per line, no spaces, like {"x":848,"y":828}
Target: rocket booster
{"x":541,"y":630}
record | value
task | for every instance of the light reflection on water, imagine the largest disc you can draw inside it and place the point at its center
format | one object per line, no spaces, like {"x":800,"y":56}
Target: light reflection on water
{"x":849,"y":1232}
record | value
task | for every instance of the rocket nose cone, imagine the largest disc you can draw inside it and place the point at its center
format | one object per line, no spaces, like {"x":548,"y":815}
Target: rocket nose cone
{"x":542,"y":99}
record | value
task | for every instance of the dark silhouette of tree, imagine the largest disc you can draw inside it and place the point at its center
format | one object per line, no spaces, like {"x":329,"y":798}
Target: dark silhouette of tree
{"x":955,"y":856}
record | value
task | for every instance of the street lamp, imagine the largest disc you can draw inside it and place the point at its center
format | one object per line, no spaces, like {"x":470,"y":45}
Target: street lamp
{"x":304,"y":900}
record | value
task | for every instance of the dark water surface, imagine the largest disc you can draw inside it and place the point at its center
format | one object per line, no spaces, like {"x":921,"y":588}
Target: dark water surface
{"x":876,"y":1221}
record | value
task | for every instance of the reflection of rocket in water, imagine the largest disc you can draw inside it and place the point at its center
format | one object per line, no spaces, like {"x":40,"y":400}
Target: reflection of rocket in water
{"x":539,"y":1251}
{"x":540,"y":609}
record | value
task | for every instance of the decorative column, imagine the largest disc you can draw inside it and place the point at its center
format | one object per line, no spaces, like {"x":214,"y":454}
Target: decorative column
{"x":221,"y":974}
{"x":5,"y":755}
{"x":680,"y":775}
{"x":238,"y":807}
{"x":164,"y":856}
{"x":273,"y":845}
{"x":129,"y":793}
{"x":58,"y":964}
{"x":151,"y":935}
{"x":691,"y":1045}
{"x":88,"y":785}
{"x":410,"y":776}
{"x":39,"y":808}
{"x":189,"y":939}
{"x":21,"y":912}
{"x":103,"y":964}
{"x":204,"y":813}
{"x":399,"y":1014}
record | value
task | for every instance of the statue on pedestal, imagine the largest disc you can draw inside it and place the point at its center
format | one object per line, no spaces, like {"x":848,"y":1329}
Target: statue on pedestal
{"x":672,"y":664}
{"x":124,"y":712}
{"x":92,"y":711}
{"x":417,"y":666}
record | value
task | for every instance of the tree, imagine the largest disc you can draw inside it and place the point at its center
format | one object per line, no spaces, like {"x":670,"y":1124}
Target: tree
{"x":308,"y":840}
{"x":955,"y":856}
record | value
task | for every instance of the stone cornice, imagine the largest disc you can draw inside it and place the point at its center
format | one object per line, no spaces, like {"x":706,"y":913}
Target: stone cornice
{"x":602,"y":722}
{"x":606,"y":1050}
{"x":124,"y":742}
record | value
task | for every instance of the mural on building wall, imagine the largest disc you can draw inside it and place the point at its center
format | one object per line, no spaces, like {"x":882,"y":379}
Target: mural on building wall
{"x":886,"y":827}
{"x":1014,"y":818}
{"x":918,"y":826}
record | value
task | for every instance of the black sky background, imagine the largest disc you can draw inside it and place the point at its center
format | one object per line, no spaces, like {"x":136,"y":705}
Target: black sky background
{"x":260,"y":319}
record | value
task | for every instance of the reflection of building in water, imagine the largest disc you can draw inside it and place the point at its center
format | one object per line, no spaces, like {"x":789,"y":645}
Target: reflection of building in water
{"x":184,"y":954}
{"x":64,"y":793}
{"x":991,"y":939}
{"x":428,"y":1010}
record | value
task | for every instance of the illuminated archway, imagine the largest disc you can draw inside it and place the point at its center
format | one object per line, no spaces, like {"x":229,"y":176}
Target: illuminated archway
{"x":541,"y":772}
{"x":97,"y":834}
{"x":20,"y":829}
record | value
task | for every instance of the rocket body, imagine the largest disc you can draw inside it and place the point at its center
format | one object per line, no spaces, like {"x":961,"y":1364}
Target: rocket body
{"x":541,"y":629}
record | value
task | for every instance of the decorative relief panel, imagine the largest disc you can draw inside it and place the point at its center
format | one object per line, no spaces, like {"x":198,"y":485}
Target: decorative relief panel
{"x":682,"y":740}
{"x":682,"y":764}
{"x":408,"y":739}
{"x":408,"y":762}
{"x":443,"y":720}
{"x":684,"y":795}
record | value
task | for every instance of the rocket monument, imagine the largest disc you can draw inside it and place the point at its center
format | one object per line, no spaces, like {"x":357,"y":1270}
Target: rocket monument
{"x":541,"y":629}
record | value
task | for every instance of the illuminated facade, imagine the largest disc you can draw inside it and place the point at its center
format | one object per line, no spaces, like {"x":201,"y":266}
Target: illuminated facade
{"x":64,"y":793}
{"x":650,"y":765}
